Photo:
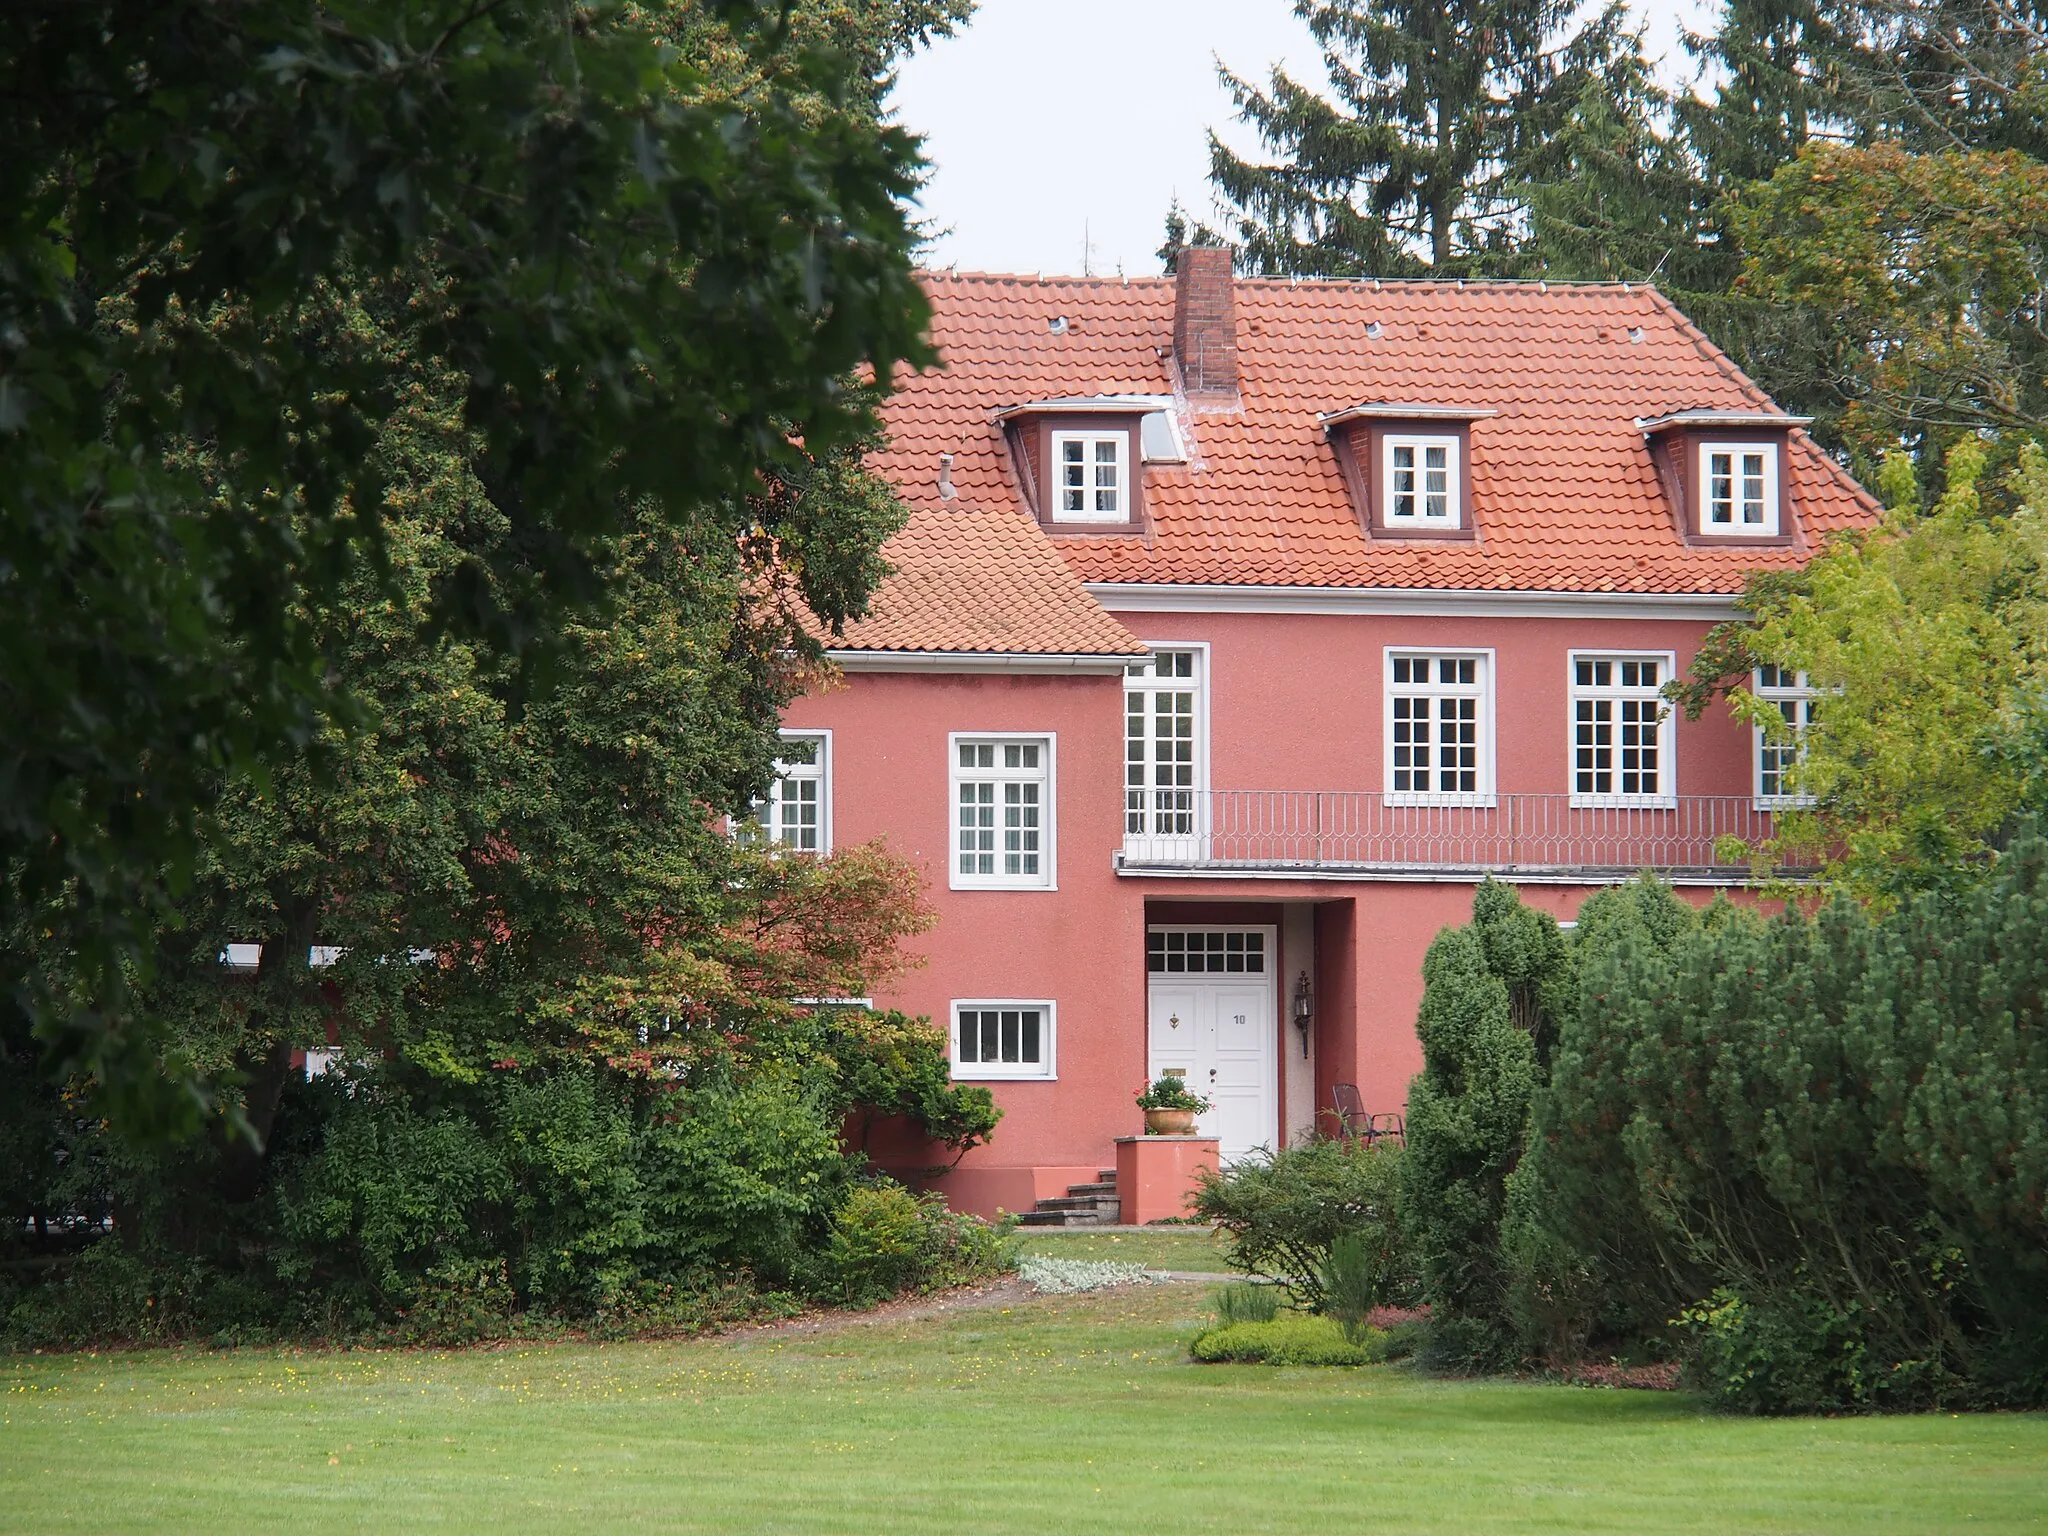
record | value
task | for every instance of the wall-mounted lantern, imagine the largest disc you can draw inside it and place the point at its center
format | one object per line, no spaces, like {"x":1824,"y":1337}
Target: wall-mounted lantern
{"x":1304,"y":1011}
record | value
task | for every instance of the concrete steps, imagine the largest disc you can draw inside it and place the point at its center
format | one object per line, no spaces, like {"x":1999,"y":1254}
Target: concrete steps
{"x":1083,"y":1205}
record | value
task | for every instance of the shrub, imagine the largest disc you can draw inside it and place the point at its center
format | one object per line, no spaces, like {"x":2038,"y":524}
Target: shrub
{"x":878,"y":1243}
{"x":1818,"y":1144}
{"x":464,"y":1301}
{"x":884,"y":1240}
{"x":1284,"y":1210}
{"x":1247,"y":1304}
{"x":1352,"y":1282}
{"x":1287,"y":1341}
{"x":1492,"y":992}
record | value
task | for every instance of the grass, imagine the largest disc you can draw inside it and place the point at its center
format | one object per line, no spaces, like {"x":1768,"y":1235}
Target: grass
{"x":1077,"y":1414}
{"x":1196,"y":1249}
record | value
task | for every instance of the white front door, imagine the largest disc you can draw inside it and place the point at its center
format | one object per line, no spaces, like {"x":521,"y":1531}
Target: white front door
{"x":1212,"y":1017}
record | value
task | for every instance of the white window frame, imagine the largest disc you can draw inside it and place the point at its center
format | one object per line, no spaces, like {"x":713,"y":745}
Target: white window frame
{"x":770,"y":837}
{"x":1666,"y":793}
{"x":1121,"y":439}
{"x":1047,"y":879}
{"x":1735,"y":528}
{"x":1454,"y":514}
{"x":1045,"y":1071}
{"x":1150,"y":684}
{"x":1482,"y":689}
{"x":1799,"y":692}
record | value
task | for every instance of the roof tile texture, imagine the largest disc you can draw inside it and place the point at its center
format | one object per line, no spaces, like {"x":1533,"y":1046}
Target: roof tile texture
{"x":1565,"y":495}
{"x":980,"y":576}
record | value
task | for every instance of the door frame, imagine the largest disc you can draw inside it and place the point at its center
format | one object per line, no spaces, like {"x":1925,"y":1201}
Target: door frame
{"x":1271,"y":978}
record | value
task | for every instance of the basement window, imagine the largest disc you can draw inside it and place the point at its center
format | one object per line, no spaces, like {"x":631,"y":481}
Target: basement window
{"x":1002,"y":1038}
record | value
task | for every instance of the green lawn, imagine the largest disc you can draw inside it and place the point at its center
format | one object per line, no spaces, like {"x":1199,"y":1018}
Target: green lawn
{"x":1075,"y":1415}
{"x":1184,"y":1248}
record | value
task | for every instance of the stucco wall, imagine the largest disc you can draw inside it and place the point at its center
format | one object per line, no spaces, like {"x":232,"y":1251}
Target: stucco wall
{"x":1294,"y":702}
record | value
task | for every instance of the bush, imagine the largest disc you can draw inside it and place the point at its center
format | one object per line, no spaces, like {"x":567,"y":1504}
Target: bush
{"x":1247,"y":1304}
{"x":1283,"y":1212}
{"x":885,"y":1240}
{"x":465,"y":1301}
{"x":1288,"y":1341}
{"x":1492,"y":993}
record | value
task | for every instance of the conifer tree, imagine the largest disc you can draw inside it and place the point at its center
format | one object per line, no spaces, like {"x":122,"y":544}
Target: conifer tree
{"x":1414,"y":161}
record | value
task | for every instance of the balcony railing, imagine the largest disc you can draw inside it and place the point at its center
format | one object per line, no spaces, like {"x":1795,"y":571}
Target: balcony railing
{"x":1340,"y":831}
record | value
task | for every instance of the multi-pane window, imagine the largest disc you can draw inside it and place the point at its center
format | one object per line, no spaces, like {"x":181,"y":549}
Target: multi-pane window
{"x":1437,"y":725}
{"x":1620,"y":723}
{"x":1422,"y":481}
{"x":795,"y":813}
{"x":1777,"y":751}
{"x":1002,"y":1039}
{"x":1162,"y":744}
{"x":1741,"y":488}
{"x":1179,"y":952}
{"x":1002,"y":794}
{"x":1091,"y":477}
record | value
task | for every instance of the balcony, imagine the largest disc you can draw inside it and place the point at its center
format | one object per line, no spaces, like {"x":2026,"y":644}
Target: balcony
{"x":1340,"y":833}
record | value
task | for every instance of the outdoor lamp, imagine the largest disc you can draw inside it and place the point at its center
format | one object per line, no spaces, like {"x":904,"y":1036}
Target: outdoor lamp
{"x":1304,"y":1011}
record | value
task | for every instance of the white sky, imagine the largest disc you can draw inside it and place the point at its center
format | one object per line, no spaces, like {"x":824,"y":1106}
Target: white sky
{"x":1051,"y":123}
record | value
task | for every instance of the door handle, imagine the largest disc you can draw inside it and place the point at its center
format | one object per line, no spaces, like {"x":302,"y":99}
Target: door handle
{"x":1212,"y":1074}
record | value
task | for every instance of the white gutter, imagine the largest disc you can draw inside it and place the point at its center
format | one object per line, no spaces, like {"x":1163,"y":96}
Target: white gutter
{"x":980,"y":661}
{"x":1410,"y":602}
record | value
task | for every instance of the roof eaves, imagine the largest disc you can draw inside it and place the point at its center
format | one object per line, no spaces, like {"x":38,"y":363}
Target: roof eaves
{"x":1700,"y":416}
{"x":1395,"y":411}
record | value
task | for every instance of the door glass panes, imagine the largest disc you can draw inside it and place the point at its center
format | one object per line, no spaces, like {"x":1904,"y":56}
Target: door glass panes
{"x":1161,"y":750}
{"x":1000,"y":810}
{"x":1618,"y":723}
{"x":1007,"y":1037}
{"x":1177,"y":951}
{"x":1436,"y":703}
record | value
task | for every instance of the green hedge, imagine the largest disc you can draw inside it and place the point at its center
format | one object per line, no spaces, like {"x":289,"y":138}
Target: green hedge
{"x":1290,"y":1340}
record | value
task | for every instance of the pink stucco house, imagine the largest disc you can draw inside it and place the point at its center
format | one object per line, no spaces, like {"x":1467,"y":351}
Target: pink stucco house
{"x":1241,"y":626}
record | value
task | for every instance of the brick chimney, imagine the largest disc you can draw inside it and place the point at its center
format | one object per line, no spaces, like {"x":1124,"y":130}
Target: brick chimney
{"x":1205,"y":321}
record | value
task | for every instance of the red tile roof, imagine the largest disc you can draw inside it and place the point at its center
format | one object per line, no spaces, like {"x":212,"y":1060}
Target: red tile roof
{"x":979,"y":576}
{"x":1565,"y":495}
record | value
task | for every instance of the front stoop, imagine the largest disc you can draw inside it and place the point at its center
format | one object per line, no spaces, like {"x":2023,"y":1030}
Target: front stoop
{"x":1083,"y":1205}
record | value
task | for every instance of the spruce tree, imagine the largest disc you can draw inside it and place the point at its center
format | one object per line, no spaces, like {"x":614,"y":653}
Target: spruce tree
{"x":1614,"y":195}
{"x":1415,"y":160}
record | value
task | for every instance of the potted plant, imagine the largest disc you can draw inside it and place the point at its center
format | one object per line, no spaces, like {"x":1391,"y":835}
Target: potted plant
{"x":1170,"y":1106}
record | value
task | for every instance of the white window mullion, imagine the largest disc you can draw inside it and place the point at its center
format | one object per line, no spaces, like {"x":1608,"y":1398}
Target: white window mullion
{"x":1002,"y":812}
{"x":1792,"y":694}
{"x":1163,"y":756}
{"x":1621,"y":730}
{"x":1739,"y":489}
{"x":1003,"y":1038}
{"x":1422,"y":482}
{"x":1091,"y":477}
{"x":1439,"y":727}
{"x":796,"y":813}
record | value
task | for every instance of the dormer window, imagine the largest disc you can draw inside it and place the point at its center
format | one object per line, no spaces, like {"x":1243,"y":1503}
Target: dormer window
{"x":1092,"y":471}
{"x":1723,"y":471}
{"x":1421,"y":481}
{"x":1408,"y":467}
{"x":1739,"y":489}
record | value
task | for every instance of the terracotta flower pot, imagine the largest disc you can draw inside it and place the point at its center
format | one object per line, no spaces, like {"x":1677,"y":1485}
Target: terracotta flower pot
{"x":1169,"y":1122}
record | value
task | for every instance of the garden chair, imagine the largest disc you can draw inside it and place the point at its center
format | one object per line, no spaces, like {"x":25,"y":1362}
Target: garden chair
{"x":1355,"y":1124}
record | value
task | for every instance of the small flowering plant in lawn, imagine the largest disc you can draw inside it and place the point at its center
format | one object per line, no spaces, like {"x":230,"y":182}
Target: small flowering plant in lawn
{"x":1172,"y":1092}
